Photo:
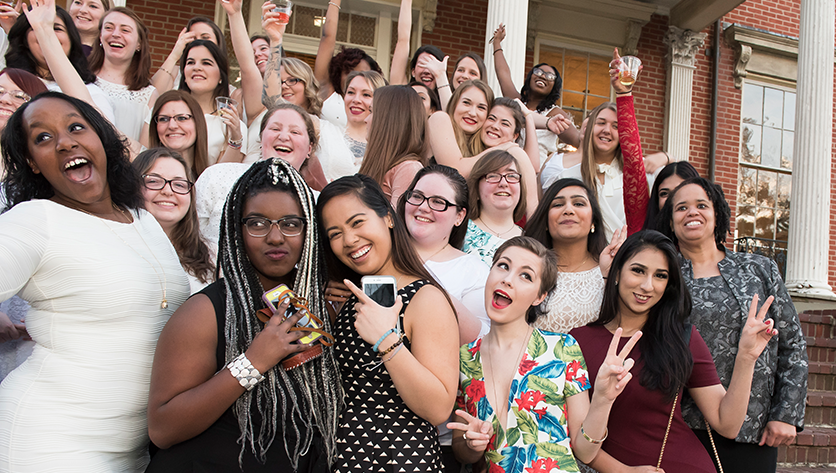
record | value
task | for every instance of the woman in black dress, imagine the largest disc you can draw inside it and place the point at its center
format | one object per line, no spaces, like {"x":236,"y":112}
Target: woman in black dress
{"x":210,"y":407}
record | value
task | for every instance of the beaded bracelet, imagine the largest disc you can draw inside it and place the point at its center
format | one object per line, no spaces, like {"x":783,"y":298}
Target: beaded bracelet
{"x":394,"y":345}
{"x":393,"y":354}
{"x":332,"y":3}
{"x":382,"y":337}
{"x":592,"y":440}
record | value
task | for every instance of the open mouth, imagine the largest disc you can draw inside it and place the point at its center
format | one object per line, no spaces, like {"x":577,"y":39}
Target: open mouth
{"x":500,"y":300}
{"x":165,"y":204}
{"x":423,"y":219}
{"x":261,"y":62}
{"x":283,"y":149}
{"x":360,"y":253}
{"x":493,"y":134}
{"x":502,"y":194}
{"x":540,"y":83}
{"x":78,"y":169}
{"x":116,"y":45}
{"x":693,"y":223}
{"x":641,"y":298}
{"x":198,"y":77}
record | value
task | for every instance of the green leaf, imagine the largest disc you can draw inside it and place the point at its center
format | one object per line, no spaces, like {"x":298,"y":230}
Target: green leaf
{"x":528,"y":427}
{"x":499,"y":441}
{"x":471,"y":367}
{"x":545,"y":386}
{"x":537,"y":344}
{"x":513,"y":436}
{"x":493,"y":456}
{"x":551,"y":450}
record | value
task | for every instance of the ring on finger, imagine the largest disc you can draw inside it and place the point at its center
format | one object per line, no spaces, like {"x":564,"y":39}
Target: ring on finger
{"x":464,"y":436}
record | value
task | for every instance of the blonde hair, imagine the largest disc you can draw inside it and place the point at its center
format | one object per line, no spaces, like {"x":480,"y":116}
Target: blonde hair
{"x":589,"y":169}
{"x":470,"y":144}
{"x":301,"y":70}
{"x":375,"y":79}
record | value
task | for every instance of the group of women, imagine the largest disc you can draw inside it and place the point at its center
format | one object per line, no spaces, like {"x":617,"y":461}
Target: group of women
{"x":532,"y":330}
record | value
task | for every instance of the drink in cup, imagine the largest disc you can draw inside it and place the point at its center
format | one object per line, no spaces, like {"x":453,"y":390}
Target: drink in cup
{"x":628,"y":69}
{"x":283,"y":8}
{"x":225,"y":102}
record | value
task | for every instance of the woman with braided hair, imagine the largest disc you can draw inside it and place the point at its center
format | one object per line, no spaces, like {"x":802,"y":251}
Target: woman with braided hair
{"x":221,"y":398}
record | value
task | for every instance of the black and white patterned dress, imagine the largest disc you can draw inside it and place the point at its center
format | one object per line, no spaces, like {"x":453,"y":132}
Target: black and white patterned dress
{"x":378,"y":432}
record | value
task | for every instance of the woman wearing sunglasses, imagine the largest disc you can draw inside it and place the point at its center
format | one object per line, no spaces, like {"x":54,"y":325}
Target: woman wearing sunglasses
{"x":167,"y":189}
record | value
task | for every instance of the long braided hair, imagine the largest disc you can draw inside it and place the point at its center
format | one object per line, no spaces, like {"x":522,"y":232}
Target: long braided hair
{"x":309,"y":396}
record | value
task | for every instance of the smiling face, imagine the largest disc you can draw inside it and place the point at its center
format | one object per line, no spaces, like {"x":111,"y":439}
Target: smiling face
{"x":501,"y":196}
{"x":570,"y":215}
{"x":539,"y":84}
{"x":471,"y":111}
{"x":286,"y":136}
{"x":262,"y":53}
{"x":86,"y":15}
{"x":8,"y":104}
{"x":120,"y":37}
{"x":203,"y":31}
{"x":499,"y":127}
{"x":427,"y":226}
{"x":361,"y":66}
{"x":513,"y":285}
{"x":67,"y":151}
{"x":358,"y":237}
{"x":175,"y":134}
{"x":422,"y":74}
{"x":295,"y":93}
{"x":166,"y":206}
{"x":35,"y":48}
{"x":273,"y":256}
{"x":201,"y":70}
{"x":425,"y":98}
{"x":466,"y":70}
{"x":358,"y":100}
{"x":605,"y":132}
{"x":666,"y":187}
{"x":693,"y":215}
{"x":642,"y":282}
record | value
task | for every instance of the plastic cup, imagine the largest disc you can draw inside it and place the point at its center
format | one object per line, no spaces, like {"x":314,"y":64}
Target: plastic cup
{"x":628,"y":69}
{"x":283,"y":8}
{"x":225,"y":102}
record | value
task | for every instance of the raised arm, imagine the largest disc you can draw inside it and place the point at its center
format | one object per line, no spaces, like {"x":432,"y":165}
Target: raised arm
{"x":163,"y":79}
{"x":439,"y":71}
{"x":251,"y":82}
{"x":531,"y":145}
{"x":325,"y":53}
{"x":503,"y":72}
{"x":271,"y":93}
{"x":397,"y":72}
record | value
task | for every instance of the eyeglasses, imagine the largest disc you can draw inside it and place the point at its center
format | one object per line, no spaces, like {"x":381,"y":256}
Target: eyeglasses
{"x":178,"y":186}
{"x":259,"y":227}
{"x":544,"y":75}
{"x":18,"y":95}
{"x":180,"y":118}
{"x":292,"y":81}
{"x":510,"y":178}
{"x":439,"y":204}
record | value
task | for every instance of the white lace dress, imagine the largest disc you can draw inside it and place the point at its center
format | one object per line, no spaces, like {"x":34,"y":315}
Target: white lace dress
{"x":130,"y":107}
{"x":574,"y":302}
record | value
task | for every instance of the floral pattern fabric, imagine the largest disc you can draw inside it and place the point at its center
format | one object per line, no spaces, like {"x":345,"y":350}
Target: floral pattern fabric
{"x":481,"y":243}
{"x":536,"y":439}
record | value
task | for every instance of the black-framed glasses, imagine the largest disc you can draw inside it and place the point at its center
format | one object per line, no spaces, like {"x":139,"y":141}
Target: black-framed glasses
{"x":510,"y":177}
{"x":259,"y":227}
{"x":439,"y":204}
{"x":180,"y":118}
{"x":292,"y":81}
{"x":17,"y":95}
{"x":544,"y":75}
{"x":157,"y":183}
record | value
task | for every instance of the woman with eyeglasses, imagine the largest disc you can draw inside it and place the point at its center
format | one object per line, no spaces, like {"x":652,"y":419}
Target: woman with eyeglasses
{"x":496,"y":189}
{"x":179,"y":124}
{"x":169,"y":197}
{"x":233,"y":388}
{"x":539,"y":93}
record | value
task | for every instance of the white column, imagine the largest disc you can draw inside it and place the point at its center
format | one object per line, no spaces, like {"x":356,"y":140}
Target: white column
{"x":807,"y":256}
{"x":514,"y":14}
{"x":384,"y":38}
{"x":683,"y":46}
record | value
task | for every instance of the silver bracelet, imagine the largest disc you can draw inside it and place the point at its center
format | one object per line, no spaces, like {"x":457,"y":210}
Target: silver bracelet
{"x":244,"y":371}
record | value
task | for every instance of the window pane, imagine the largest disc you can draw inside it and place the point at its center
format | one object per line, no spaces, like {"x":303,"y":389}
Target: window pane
{"x":789,"y":110}
{"x":767,"y":190}
{"x":773,"y":107}
{"x":553,"y":56}
{"x":599,"y":76}
{"x":592,"y":102}
{"x":304,"y":21}
{"x":362,"y":30}
{"x":784,"y":189}
{"x":786,"y":147}
{"x":752,"y":104}
{"x":751,"y":146}
{"x":765,"y":223}
{"x":771,"y":147}
{"x":783,"y":226}
{"x":745,"y":224}
{"x":574,"y":77}
{"x":572,"y":100}
{"x":746,"y":189}
{"x":342,"y":27}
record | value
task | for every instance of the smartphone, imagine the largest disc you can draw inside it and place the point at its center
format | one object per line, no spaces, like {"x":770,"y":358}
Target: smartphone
{"x":381,"y":289}
{"x":274,"y":298}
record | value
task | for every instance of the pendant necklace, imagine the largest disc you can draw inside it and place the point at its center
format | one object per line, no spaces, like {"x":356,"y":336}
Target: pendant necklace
{"x":491,"y":230}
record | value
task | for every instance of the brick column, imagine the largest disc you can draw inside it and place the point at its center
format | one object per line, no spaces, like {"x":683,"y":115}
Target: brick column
{"x":514,"y":14}
{"x":682,"y":50}
{"x":810,"y":199}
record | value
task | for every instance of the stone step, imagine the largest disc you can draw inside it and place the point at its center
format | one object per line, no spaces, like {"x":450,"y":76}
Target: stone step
{"x":814,"y":446}
{"x":822,"y":375}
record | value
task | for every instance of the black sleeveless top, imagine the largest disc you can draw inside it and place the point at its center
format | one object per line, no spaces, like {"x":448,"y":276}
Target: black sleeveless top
{"x":217,"y":448}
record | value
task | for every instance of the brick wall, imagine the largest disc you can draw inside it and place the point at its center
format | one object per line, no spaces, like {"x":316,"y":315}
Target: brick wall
{"x":459,"y":28}
{"x":166,"y":20}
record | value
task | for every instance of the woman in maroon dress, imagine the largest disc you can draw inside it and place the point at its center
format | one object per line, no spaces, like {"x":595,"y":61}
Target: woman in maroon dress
{"x":644,"y":291}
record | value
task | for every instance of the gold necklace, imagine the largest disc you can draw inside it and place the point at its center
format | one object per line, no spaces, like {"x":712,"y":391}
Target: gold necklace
{"x":580,"y":265}
{"x":437,"y":252}
{"x":501,"y":408}
{"x":164,"y":281}
{"x":498,"y":235}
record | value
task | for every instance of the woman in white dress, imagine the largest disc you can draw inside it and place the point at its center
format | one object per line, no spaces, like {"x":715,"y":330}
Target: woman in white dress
{"x":122,"y":64}
{"x":102,"y":279}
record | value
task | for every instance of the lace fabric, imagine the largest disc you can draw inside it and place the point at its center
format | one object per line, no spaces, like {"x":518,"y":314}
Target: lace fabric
{"x":574,"y":302}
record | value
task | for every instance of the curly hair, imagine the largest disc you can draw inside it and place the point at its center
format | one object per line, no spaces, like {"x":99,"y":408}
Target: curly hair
{"x":138,"y":75}
{"x":194,"y":255}
{"x":344,"y":63}
{"x":222,"y":89}
{"x":19,"y":56}
{"x":459,"y":185}
{"x":548,"y":100}
{"x":299,"y":69}
{"x":22,"y":184}
{"x":722,"y":212}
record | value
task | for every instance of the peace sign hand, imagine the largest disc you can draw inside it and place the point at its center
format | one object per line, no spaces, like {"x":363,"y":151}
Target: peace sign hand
{"x":757,"y":332}
{"x":615,"y":370}
{"x":373,"y":320}
{"x":477,"y":433}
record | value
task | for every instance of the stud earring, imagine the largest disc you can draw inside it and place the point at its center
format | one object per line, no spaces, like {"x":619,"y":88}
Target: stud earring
{"x":592,"y":230}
